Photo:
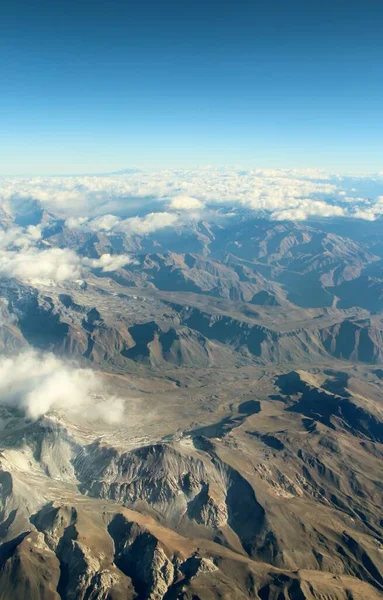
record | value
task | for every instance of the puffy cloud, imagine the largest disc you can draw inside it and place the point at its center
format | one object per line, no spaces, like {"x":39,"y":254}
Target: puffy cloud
{"x":39,"y":384}
{"x":22,"y":259}
{"x":53,"y":264}
{"x":147,"y":224}
{"x":108,"y":262}
{"x":104,"y":223}
{"x":25,"y":255}
{"x":185,"y":203}
{"x":366,"y":215}
{"x":370,"y":211}
{"x":308,"y":208}
{"x":76,"y":222}
{"x":131,"y":226}
{"x":18,"y":237}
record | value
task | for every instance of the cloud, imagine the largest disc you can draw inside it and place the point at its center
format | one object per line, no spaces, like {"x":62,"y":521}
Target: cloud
{"x":103,"y":223}
{"x":54,"y":264}
{"x":25,"y":255}
{"x":185,"y":203}
{"x":111,"y":203}
{"x":120,"y":195}
{"x":131,"y":226}
{"x":308,"y":208}
{"x":108,"y":262}
{"x":18,"y":237}
{"x":366,"y":215}
{"x":6,"y":318}
{"x":369,"y":211}
{"x":76,"y":222}
{"x":41,"y":383}
{"x":147,"y":224}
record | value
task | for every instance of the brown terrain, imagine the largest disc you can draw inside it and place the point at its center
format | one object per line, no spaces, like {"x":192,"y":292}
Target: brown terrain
{"x":248,"y":461}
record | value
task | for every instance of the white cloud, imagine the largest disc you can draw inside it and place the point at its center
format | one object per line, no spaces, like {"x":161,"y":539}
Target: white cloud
{"x":75,"y":222}
{"x":369,"y":211}
{"x":24,"y":255}
{"x":38,"y":384}
{"x":6,"y":318}
{"x":18,"y":237}
{"x":366,"y":215}
{"x":147,"y":224}
{"x":131,"y":226}
{"x":308,"y":208}
{"x":21,"y":260}
{"x":104,"y":223}
{"x":108,"y":262}
{"x":185,"y":203}
{"x":111,"y":202}
{"x":54,"y":264}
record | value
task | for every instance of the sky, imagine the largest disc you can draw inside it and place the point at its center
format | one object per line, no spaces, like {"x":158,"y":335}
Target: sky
{"x":93,"y":87}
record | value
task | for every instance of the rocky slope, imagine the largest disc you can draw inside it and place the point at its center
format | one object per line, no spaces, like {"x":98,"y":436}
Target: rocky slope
{"x":282,"y":490}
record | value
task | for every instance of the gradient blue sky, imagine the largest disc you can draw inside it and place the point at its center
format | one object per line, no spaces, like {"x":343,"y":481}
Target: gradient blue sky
{"x":103,"y":85}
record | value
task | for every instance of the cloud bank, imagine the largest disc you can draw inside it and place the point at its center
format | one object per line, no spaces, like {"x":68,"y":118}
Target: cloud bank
{"x":38,"y":384}
{"x":143,"y":202}
{"x":117,"y":202}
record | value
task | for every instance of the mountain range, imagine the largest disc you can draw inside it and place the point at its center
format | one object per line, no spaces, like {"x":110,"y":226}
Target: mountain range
{"x":232,"y":446}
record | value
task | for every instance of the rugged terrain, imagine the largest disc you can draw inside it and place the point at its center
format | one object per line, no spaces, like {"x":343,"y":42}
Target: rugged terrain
{"x":247,"y":462}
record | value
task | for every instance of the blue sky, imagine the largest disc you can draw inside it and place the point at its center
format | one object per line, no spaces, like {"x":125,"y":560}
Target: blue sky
{"x":102,"y":85}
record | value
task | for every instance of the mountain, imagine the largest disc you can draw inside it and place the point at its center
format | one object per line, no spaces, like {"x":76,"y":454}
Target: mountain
{"x":204,"y":422}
